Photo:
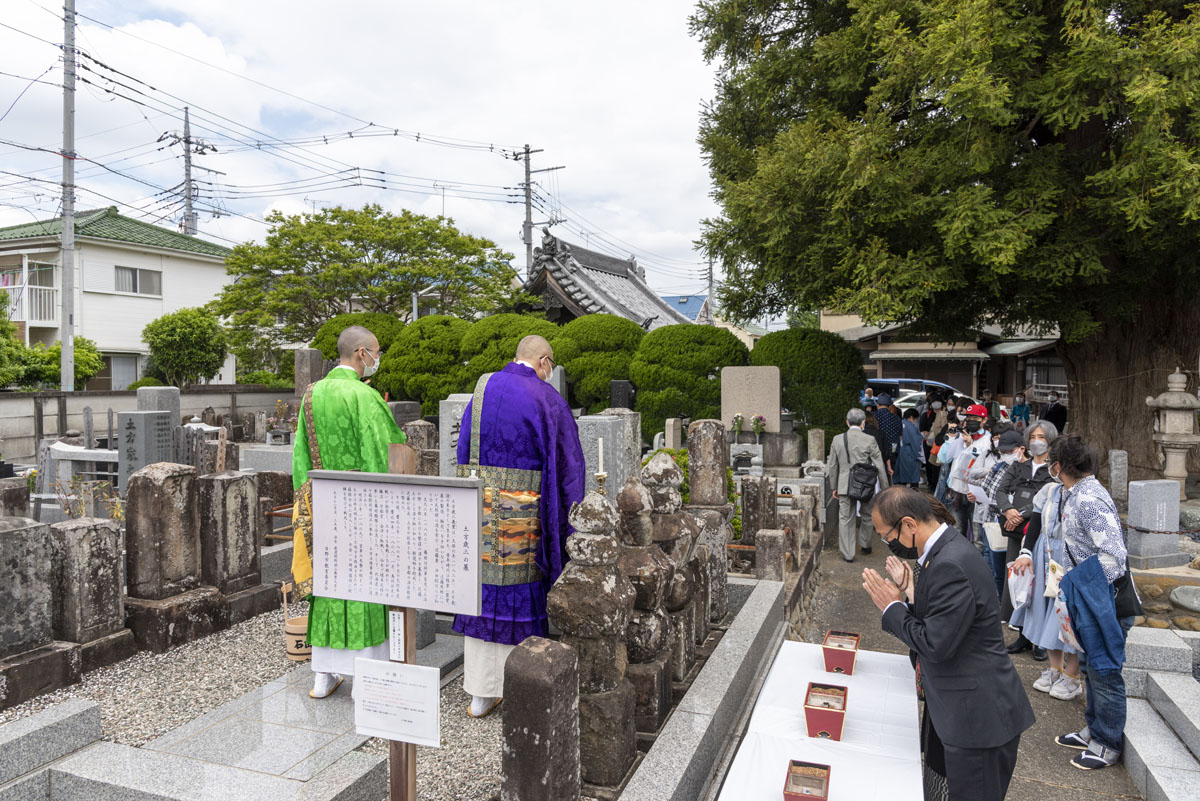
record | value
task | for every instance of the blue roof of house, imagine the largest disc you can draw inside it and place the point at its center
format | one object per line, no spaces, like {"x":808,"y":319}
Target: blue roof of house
{"x":687,"y":305}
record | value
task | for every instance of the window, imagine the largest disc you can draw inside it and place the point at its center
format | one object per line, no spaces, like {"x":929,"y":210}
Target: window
{"x":138,"y":282}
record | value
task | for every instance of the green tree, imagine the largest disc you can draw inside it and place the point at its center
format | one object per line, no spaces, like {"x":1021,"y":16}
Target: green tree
{"x":385,"y":327}
{"x":820,"y":374}
{"x":595,"y":350}
{"x":11,"y":368}
{"x":677,"y":372}
{"x":313,"y":267}
{"x":423,"y":362}
{"x":951,"y":163}
{"x":41,"y":366}
{"x":186,"y":346}
{"x":491,"y":343}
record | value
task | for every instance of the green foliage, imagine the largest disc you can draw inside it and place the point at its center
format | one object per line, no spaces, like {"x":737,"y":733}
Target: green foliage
{"x":385,"y":327}
{"x":145,"y":381}
{"x":423,"y":362}
{"x":821,"y":374}
{"x":313,"y":267}
{"x":266,"y":378}
{"x":955,"y":162}
{"x":677,"y":371}
{"x":41,"y":366}
{"x":187,"y":346}
{"x":491,"y":342}
{"x":595,"y":350}
{"x":11,"y":367}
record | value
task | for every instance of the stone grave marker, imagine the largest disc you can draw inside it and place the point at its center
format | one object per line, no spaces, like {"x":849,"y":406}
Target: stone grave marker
{"x":631,"y":442}
{"x":816,"y":443}
{"x":751,"y":391}
{"x":405,"y":411}
{"x":309,"y":368}
{"x":620,"y":394}
{"x":143,"y":438}
{"x":597,"y":428}
{"x":228,"y":534}
{"x":160,"y":399}
{"x":558,"y":380}
{"x":14,"y":497}
{"x":1118,"y":475}
{"x":1153,"y":520}
{"x":260,"y":426}
{"x":540,"y":757}
{"x":450,"y":413}
{"x":708,"y":456}
{"x":162,"y":540}
{"x":673,"y":434}
{"x":88,"y":596}
{"x":89,"y":428}
{"x":422,"y":436}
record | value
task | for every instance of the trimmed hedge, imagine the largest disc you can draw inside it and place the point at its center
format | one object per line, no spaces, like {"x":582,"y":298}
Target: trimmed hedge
{"x":491,"y":342}
{"x":677,"y":371}
{"x":423,"y":362}
{"x":385,"y":327}
{"x":596,"y":350}
{"x":820,"y":374}
{"x":145,"y":381}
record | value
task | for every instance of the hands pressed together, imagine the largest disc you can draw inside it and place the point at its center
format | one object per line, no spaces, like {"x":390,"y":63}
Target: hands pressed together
{"x":898,"y":587}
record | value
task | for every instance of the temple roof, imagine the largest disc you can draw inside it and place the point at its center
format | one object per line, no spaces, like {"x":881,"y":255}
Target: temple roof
{"x":582,"y":281}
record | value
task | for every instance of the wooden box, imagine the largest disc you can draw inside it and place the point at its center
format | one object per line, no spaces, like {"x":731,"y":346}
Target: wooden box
{"x":806,"y":781}
{"x":840,"y":650}
{"x":825,"y":710}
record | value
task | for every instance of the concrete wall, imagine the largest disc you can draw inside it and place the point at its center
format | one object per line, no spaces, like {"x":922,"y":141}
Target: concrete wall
{"x":16,"y":411}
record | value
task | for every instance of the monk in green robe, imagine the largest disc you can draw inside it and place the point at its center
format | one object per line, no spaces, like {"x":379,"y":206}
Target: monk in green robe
{"x":352,"y":427}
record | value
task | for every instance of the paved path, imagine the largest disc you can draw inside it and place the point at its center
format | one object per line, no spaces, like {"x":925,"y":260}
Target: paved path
{"x":1043,"y":769}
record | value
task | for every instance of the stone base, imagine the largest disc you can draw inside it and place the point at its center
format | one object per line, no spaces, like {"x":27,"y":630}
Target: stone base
{"x":605,"y":793}
{"x":1161,"y":560}
{"x":651,"y":692}
{"x":40,"y":671}
{"x":426,"y":626}
{"x":683,"y":641}
{"x":158,"y":625}
{"x":606,"y":739}
{"x":108,"y":650}
{"x":253,"y":601}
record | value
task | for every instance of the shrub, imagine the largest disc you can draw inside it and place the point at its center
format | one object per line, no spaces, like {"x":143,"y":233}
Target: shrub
{"x":187,"y":346}
{"x":145,"y":381}
{"x":41,"y":366}
{"x":596,"y":350}
{"x":820,"y":375}
{"x":677,"y":371}
{"x":385,"y":327}
{"x":490,"y":343}
{"x":423,"y":362}
{"x":266,"y":378}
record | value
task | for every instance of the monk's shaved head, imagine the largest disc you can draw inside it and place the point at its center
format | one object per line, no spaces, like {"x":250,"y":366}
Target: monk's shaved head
{"x":532,"y":348}
{"x":353,"y":338}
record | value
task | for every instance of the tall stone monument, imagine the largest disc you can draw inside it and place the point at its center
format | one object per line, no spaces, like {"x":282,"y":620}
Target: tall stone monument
{"x":229,"y":542}
{"x":450,"y":414}
{"x":708,"y":466}
{"x":143,"y":438}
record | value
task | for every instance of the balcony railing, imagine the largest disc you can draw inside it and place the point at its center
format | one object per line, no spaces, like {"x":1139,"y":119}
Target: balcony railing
{"x":42,"y":303}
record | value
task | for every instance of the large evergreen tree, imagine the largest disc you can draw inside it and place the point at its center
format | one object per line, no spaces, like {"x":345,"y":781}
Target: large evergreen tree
{"x":957,"y":162}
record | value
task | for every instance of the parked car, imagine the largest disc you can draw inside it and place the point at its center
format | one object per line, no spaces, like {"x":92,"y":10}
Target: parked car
{"x":901,"y":386}
{"x":911,"y":399}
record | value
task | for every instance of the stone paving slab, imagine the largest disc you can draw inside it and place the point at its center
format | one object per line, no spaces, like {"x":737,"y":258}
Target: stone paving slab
{"x":1176,"y":697}
{"x":29,"y":743}
{"x":1152,"y":748}
{"x":1157,"y":649}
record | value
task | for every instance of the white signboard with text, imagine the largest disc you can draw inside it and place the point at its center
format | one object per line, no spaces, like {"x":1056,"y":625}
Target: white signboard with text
{"x":399,"y":540}
{"x":397,"y":702}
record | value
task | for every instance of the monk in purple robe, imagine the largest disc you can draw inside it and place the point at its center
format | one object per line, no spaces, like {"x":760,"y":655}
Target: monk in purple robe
{"x":517,"y":435}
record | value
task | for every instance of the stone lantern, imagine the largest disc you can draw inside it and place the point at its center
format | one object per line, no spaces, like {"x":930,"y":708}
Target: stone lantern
{"x":1176,"y":409}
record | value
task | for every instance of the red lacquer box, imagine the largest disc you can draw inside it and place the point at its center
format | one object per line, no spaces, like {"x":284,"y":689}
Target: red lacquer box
{"x":825,"y":710}
{"x":840,"y":650}
{"x":806,"y":780}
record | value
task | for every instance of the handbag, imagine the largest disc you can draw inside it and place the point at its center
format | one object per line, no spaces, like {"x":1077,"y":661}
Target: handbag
{"x":1054,"y":571}
{"x":863,"y":477}
{"x":1066,"y":632}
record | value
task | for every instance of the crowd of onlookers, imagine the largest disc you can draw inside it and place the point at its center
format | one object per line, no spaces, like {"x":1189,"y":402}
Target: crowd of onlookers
{"x":1026,"y":496}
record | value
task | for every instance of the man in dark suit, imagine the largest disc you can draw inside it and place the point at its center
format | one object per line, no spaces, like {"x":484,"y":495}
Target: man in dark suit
{"x":973,"y":695}
{"x":1055,"y":413}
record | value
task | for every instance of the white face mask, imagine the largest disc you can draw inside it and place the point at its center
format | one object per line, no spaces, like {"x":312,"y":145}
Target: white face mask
{"x":936,"y":405}
{"x":1009,"y":458}
{"x":369,"y":371}
{"x":1038,"y":446}
{"x":1020,"y":399}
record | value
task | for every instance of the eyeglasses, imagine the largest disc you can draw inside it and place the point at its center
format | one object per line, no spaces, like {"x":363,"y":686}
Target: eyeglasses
{"x":551,"y":360}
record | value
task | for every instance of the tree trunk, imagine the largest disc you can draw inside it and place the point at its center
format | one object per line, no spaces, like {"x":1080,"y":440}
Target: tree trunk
{"x":1110,"y":375}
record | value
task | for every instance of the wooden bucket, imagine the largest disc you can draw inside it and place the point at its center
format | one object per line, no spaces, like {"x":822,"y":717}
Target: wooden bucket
{"x":295,"y":632}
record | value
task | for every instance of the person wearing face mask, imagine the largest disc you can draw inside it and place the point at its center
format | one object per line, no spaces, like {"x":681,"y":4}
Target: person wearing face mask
{"x":911,"y":454}
{"x":1015,"y":502}
{"x":1055,"y":413}
{"x":975,"y":706}
{"x":1019,"y":414}
{"x":346,"y":426}
{"x":1009,"y":444}
{"x":517,"y":435}
{"x":968,"y":464}
{"x":931,"y":423}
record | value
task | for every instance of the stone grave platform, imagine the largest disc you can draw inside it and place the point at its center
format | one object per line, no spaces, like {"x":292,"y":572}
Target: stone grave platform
{"x":255,"y":458}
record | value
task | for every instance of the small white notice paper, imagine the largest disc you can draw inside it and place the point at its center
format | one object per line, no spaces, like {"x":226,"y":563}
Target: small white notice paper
{"x":396,"y":635}
{"x":397,"y":702}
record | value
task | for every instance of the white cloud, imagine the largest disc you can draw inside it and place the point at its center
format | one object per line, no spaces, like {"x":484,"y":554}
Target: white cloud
{"x":611,"y":90}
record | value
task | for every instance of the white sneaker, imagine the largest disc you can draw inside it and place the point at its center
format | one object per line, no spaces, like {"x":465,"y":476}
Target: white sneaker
{"x":1066,"y":688}
{"x":1046,"y":680}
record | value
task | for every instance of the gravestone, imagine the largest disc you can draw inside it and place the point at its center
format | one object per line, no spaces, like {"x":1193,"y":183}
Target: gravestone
{"x":450,"y":413}
{"x":88,"y":596}
{"x":631,"y":443}
{"x":261,"y":427}
{"x":209,"y":416}
{"x":751,"y":391}
{"x":816,"y":443}
{"x":594,"y":428}
{"x":558,"y":380}
{"x":673,"y":434}
{"x":250,"y":427}
{"x":14,"y":497}
{"x":162,"y":539}
{"x":1118,"y":475}
{"x":620,"y":394}
{"x":310,"y":368}
{"x":1153,"y":522}
{"x":275,"y":485}
{"x":540,"y":757}
{"x":143,"y":438}
{"x":715,"y":535}
{"x":422,"y":436}
{"x":89,"y":428}
{"x":208,"y":456}
{"x":228,"y":508}
{"x":405,"y":411}
{"x":708,"y":457}
{"x":160,"y":399}
{"x":770,"y":546}
{"x":753,"y":488}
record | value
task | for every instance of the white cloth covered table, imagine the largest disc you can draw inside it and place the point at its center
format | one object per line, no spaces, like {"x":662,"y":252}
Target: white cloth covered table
{"x":879,"y":755}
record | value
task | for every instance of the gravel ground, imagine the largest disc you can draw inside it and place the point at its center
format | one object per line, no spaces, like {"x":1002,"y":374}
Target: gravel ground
{"x":149,"y":694}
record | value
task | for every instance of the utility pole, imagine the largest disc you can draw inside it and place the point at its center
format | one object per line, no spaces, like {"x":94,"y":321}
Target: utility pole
{"x":527,"y":228}
{"x":189,"y":216}
{"x":710,"y":292}
{"x":67,"y":321}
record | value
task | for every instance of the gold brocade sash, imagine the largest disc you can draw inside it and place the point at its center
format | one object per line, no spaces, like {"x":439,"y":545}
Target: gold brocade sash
{"x":512,"y":527}
{"x":302,"y":519}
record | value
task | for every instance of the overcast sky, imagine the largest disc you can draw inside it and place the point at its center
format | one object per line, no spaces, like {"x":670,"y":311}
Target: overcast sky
{"x":612,"y":90}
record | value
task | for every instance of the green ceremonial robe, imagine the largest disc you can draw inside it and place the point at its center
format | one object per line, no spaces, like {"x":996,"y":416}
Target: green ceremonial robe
{"x":354,"y":428}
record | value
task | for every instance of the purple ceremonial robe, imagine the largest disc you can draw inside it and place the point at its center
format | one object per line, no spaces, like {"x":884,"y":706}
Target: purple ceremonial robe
{"x":526,"y":425}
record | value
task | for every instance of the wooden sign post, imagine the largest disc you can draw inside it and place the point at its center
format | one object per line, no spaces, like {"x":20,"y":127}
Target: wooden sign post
{"x":402,"y":757}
